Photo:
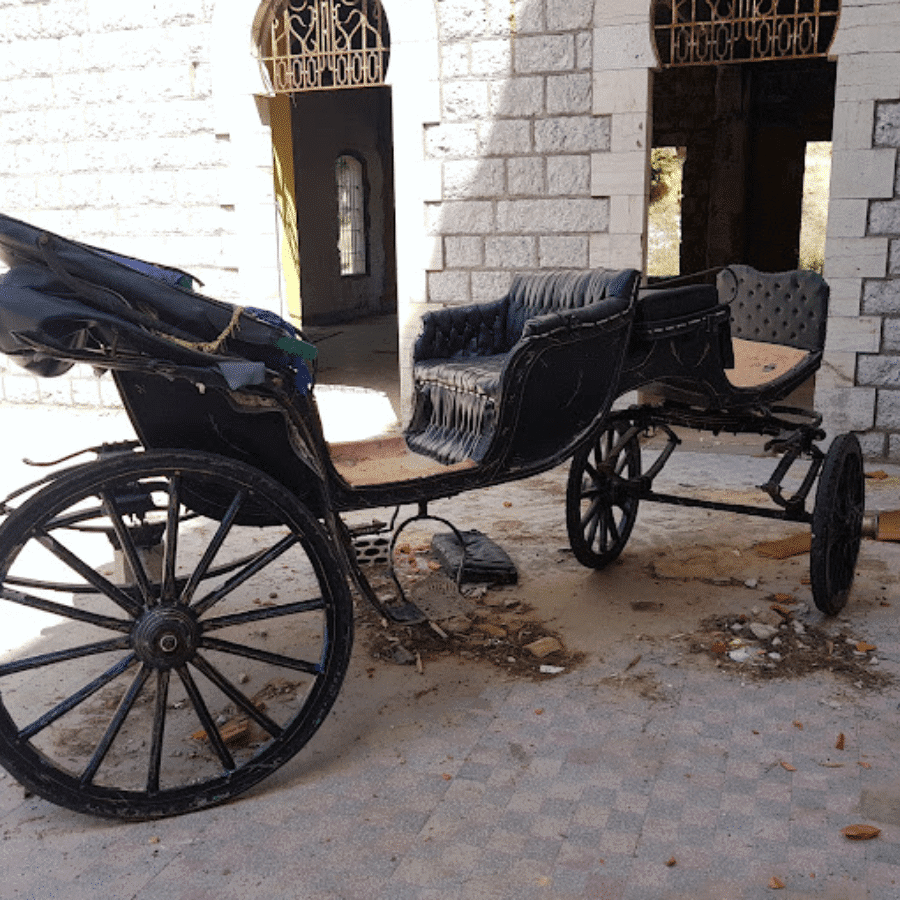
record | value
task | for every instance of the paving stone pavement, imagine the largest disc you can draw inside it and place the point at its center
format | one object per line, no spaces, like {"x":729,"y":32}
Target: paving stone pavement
{"x":581,"y":786}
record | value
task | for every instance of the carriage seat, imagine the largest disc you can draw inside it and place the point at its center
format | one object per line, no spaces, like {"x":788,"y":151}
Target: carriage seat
{"x":464,"y":356}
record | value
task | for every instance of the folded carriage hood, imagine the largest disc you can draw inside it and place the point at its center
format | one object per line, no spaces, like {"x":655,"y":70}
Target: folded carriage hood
{"x":37,"y":300}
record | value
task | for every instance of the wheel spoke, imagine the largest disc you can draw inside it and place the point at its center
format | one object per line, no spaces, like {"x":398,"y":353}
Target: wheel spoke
{"x":68,"y":612}
{"x":103,"y":585}
{"x":159,"y":724}
{"x":591,"y":531}
{"x":126,"y":544}
{"x":591,"y":511}
{"x":48,"y":659}
{"x":170,"y":547}
{"x":275,"y":659}
{"x":236,"y":696}
{"x":80,"y":696}
{"x":264,"y":612}
{"x":257,"y":565}
{"x":592,"y":472}
{"x":603,"y":519}
{"x":214,"y":546}
{"x":612,"y":527}
{"x":115,"y":725}
{"x":206,"y":720}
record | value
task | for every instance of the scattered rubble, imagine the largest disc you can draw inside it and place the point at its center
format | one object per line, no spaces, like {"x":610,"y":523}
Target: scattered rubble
{"x":486,"y":622}
{"x":776,"y":643}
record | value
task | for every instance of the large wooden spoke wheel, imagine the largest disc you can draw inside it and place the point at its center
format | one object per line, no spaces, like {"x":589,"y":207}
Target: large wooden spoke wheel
{"x":162,"y":651}
{"x":601,"y":508}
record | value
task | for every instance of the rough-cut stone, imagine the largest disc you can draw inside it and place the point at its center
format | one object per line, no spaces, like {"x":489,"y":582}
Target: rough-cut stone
{"x":569,"y":15}
{"x":884,"y":217}
{"x":894,"y":446}
{"x":521,"y":96}
{"x":568,"y":175}
{"x":460,"y":217}
{"x":525,"y":175}
{"x":510,"y":252}
{"x":882,"y":296}
{"x":888,"y":413}
{"x":448,"y":287}
{"x":488,"y":286}
{"x":549,"y":216}
{"x":572,"y":134}
{"x":456,"y":140}
{"x":544,"y":53}
{"x":890,"y":336}
{"x":465,"y":100}
{"x":491,"y":57}
{"x":506,"y":137}
{"x":879,"y":371}
{"x":473,"y":178}
{"x":569,"y":93}
{"x":887,"y":124}
{"x":463,"y":252}
{"x":563,"y":252}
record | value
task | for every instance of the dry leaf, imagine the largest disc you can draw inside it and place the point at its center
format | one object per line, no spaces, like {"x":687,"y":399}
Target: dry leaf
{"x":839,"y":743}
{"x":787,"y":766}
{"x":798,"y":724}
{"x":776,"y":883}
{"x":719,"y":648}
{"x":865,"y":765}
{"x":865,"y":647}
{"x":785,"y":598}
{"x":878,"y":475}
{"x":633,"y":662}
{"x":860,"y":832}
{"x":447,"y":777}
{"x":671,"y":861}
{"x":539,"y":712}
{"x":507,"y":503}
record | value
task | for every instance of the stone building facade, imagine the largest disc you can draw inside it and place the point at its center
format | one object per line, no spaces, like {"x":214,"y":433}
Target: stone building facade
{"x":521,"y":135}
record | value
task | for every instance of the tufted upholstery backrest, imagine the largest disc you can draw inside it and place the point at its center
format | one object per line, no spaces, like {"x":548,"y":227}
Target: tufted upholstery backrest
{"x":547,"y":292}
{"x":789,"y":308}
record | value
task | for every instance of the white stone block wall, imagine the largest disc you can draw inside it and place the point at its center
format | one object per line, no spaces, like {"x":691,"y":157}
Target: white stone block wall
{"x":515,"y":146}
{"x":107,"y":135}
{"x":858,"y":387}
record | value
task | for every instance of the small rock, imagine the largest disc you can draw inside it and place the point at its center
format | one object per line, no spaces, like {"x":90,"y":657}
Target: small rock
{"x":798,"y":626}
{"x":742,"y":654}
{"x":776,"y":656}
{"x":243,"y":678}
{"x":751,"y":582}
{"x":762,"y":632}
{"x":552,"y":670}
{"x":401,"y":656}
{"x":543,"y":647}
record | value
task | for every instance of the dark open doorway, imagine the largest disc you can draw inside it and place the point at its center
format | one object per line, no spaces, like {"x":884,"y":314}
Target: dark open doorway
{"x":344,"y":181}
{"x":744,"y":129}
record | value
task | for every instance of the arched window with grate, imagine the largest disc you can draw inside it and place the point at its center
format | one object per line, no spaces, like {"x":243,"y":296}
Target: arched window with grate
{"x":323,"y":45}
{"x":348,"y":172}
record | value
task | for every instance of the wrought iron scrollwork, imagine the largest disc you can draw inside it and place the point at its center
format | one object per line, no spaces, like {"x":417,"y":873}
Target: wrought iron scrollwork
{"x":317,"y":45}
{"x":711,"y":32}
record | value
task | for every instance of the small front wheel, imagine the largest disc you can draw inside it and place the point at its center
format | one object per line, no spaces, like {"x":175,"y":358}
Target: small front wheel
{"x":163,"y":652}
{"x":837,"y":524}
{"x":601,"y":509}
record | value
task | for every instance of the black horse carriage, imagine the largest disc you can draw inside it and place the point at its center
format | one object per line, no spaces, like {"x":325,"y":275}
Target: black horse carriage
{"x":177,"y":615}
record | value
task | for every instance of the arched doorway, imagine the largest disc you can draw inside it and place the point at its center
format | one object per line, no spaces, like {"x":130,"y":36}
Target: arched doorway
{"x":332,"y":127}
{"x":744,"y":89}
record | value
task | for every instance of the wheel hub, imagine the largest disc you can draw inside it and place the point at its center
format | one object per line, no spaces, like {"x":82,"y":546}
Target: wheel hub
{"x":166,"y":637}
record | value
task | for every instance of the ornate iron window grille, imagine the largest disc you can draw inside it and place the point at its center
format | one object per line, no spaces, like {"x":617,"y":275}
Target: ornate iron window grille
{"x":711,"y":32}
{"x":317,"y":45}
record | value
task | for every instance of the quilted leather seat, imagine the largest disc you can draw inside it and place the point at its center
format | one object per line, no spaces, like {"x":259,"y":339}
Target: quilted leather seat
{"x":464,"y":356}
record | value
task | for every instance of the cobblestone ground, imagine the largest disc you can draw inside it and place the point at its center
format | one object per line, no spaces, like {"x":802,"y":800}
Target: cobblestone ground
{"x":659,"y":778}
